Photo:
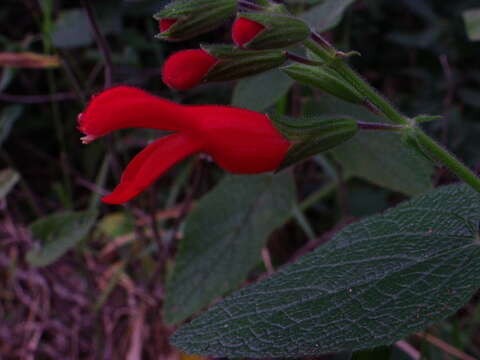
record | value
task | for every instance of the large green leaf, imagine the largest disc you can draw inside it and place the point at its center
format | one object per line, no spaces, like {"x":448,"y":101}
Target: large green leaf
{"x":261,"y":91}
{"x":58,"y":234}
{"x":377,"y":156}
{"x":326,"y":15}
{"x":223,"y":239}
{"x":375,"y":282}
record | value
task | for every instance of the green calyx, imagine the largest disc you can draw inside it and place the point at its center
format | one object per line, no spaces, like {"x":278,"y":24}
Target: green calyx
{"x":235,"y":63}
{"x":194,"y":17}
{"x":325,"y":79}
{"x":280,"y":31}
{"x":312,"y":135}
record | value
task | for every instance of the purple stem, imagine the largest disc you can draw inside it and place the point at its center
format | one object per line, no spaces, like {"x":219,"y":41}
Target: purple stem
{"x":302,"y":60}
{"x":379,"y":126}
{"x":251,"y":6}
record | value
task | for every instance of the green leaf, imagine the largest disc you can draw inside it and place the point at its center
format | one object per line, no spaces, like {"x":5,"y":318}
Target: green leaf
{"x":8,"y":179}
{"x":8,"y":116}
{"x":72,"y":28}
{"x":223,"y":239}
{"x":377,"y":156}
{"x":261,"y":91}
{"x":327,"y":15}
{"x":472,"y":23}
{"x":375,"y":282}
{"x":59,"y":233}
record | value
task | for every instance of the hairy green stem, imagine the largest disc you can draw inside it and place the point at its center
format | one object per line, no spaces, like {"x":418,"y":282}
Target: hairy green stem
{"x":424,"y":141}
{"x":368,"y":91}
{"x":446,"y":158}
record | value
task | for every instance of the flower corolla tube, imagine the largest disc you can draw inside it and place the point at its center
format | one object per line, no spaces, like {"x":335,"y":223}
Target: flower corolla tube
{"x":239,"y":140}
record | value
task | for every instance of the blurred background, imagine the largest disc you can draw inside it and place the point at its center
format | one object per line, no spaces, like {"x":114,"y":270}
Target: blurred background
{"x":83,"y":280}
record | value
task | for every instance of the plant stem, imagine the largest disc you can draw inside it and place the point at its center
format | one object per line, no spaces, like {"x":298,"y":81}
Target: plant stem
{"x":366,"y":89}
{"x":101,"y":42}
{"x":318,"y":50}
{"x":249,"y":5}
{"x":379,"y":126}
{"x":323,"y":49}
{"x":446,"y":158}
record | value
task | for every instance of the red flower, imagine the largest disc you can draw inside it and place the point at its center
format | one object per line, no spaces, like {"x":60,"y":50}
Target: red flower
{"x":240,"y":141}
{"x":186,"y":69}
{"x":164,"y":24}
{"x":244,"y":30}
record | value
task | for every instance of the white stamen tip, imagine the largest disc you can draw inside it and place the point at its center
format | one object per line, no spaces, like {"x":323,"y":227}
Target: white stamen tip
{"x":87,"y":139}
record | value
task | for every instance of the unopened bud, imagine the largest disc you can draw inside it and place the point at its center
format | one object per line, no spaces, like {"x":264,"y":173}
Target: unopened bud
{"x":189,"y":68}
{"x":235,"y":63}
{"x":185,"y":19}
{"x":268,"y":30}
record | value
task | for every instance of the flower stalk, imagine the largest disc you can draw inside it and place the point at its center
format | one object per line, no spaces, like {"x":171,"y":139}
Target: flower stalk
{"x":432,"y":148}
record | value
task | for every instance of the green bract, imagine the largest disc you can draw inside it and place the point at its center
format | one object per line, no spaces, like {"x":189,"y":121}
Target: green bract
{"x":313,"y":135}
{"x":194,"y":17}
{"x":280,"y":30}
{"x":325,"y":79}
{"x":235,"y":63}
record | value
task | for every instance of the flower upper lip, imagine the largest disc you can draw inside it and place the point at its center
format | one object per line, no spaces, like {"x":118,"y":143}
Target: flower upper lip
{"x":239,"y":140}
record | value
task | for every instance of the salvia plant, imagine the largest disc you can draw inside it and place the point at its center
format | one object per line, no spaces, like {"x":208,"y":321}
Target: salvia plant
{"x":376,"y":281}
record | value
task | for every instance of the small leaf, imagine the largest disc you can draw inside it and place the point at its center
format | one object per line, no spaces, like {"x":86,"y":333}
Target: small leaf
{"x":223,"y":238}
{"x":116,"y":224}
{"x":8,"y":179}
{"x":472,"y":23}
{"x":260,"y":92}
{"x":327,"y":15}
{"x":28,"y":60}
{"x":375,"y":282}
{"x":58,"y":233}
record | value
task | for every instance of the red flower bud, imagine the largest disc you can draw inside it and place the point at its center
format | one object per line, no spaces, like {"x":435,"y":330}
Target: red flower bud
{"x":164,"y":24}
{"x":240,"y":141}
{"x":244,"y":30}
{"x":186,"y":69}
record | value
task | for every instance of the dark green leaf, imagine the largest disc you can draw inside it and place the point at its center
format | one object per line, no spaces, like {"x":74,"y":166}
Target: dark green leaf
{"x":223,"y":239}
{"x":375,"y":282}
{"x":261,"y":91}
{"x":326,"y":15}
{"x":58,"y":234}
{"x":377,"y":156}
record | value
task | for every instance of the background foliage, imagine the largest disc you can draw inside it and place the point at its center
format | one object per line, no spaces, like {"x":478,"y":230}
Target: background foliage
{"x":83,"y":280}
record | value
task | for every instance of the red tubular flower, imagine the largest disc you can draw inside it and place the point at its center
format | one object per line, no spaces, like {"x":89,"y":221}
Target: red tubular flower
{"x":240,"y":141}
{"x":244,"y":30}
{"x":186,"y":69}
{"x":164,"y":24}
